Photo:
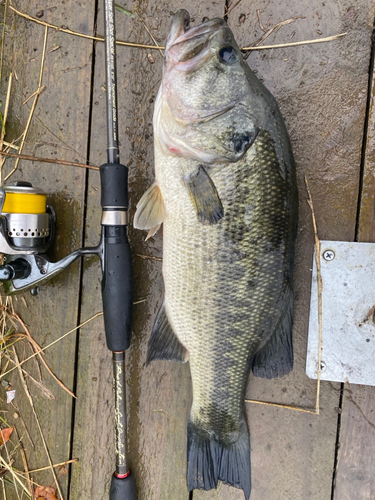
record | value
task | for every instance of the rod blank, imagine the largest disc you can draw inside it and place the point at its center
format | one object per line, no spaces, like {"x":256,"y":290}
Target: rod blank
{"x":113,"y":152}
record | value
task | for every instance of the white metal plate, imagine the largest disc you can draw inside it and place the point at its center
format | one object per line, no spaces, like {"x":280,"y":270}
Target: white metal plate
{"x":348,"y":305}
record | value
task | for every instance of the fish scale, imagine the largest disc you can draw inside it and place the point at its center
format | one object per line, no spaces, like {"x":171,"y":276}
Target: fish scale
{"x":225,"y":191}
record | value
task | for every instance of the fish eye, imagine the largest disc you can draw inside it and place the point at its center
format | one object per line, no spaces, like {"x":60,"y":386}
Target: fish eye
{"x":228,"y":54}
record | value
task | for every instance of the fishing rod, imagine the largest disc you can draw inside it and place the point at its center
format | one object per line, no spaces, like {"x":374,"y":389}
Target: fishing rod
{"x":27,"y":228}
{"x":117,"y":283}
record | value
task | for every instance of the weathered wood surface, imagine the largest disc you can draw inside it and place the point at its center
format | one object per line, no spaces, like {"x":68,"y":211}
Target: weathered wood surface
{"x":355,"y":477}
{"x":59,"y":129}
{"x":355,"y":468}
{"x":322,"y":93}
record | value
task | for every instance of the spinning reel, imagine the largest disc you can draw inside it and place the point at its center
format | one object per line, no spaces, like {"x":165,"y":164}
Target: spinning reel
{"x":27,"y":229}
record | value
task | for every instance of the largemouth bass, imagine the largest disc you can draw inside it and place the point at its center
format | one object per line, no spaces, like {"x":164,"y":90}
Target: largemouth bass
{"x":225,"y":191}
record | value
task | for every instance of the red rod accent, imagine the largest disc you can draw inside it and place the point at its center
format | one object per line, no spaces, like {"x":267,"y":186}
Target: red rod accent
{"x":122,"y":476}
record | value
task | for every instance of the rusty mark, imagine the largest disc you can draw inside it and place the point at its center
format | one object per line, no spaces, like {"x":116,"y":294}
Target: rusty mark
{"x":370,"y":317}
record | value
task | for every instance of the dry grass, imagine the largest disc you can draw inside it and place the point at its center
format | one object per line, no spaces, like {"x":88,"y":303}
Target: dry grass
{"x":38,"y":91}
{"x":15,"y":342}
{"x":255,"y":46}
{"x":14,"y":333}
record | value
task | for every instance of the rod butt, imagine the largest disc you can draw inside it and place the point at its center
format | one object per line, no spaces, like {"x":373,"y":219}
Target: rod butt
{"x":123,"y":488}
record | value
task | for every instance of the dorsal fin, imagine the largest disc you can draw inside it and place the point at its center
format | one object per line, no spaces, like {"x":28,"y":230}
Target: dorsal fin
{"x":163,"y":343}
{"x":150,"y":211}
{"x":275,"y":357}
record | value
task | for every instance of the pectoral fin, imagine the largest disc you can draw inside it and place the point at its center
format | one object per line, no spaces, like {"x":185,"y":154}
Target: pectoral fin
{"x":205,"y":198}
{"x":163,"y":343}
{"x":150,"y":211}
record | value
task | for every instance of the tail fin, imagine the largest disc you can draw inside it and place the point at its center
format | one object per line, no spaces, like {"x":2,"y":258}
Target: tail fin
{"x":210,"y":460}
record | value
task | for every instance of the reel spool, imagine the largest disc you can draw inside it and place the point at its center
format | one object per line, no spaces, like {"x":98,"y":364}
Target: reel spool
{"x":27,"y":222}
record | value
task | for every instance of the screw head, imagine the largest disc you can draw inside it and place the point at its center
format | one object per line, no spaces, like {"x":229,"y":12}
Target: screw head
{"x":328,"y":255}
{"x":323,"y":366}
{"x":43,"y":271}
{"x":4,"y":258}
{"x":35,"y":291}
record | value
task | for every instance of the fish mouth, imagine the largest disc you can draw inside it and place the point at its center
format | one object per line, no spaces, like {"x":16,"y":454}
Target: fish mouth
{"x":185,"y":43}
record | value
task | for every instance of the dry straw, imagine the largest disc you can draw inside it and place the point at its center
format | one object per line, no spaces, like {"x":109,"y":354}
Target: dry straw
{"x":37,"y":93}
{"x":157,"y":47}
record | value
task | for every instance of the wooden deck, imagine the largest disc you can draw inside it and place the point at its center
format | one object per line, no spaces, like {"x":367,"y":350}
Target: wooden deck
{"x":322,"y":91}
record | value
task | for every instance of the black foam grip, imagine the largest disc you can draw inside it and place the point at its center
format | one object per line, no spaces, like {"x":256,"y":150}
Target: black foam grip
{"x":114,"y":184}
{"x":123,"y":489}
{"x":117,"y":288}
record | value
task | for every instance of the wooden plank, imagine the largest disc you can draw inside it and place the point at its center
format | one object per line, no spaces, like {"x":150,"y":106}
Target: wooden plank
{"x":355,"y":468}
{"x":159,"y":396}
{"x":355,"y":476}
{"x":59,"y":129}
{"x":292,"y":453}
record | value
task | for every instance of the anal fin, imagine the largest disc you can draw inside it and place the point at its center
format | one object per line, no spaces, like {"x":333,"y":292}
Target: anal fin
{"x":275,"y":357}
{"x":163,"y":343}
